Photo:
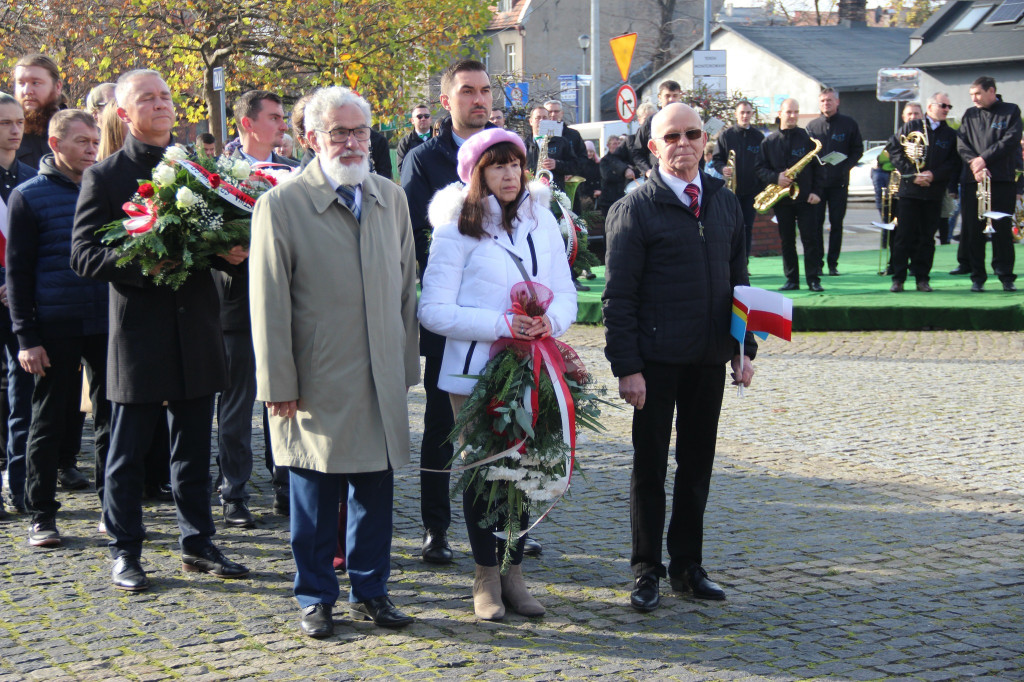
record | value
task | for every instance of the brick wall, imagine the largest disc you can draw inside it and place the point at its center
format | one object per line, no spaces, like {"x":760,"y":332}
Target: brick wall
{"x":766,"y":237}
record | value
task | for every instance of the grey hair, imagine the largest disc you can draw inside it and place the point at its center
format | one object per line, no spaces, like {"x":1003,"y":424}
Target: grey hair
{"x":933,"y":99}
{"x":124,"y":83}
{"x":327,"y":99}
{"x":93,"y":102}
{"x":552,"y":101}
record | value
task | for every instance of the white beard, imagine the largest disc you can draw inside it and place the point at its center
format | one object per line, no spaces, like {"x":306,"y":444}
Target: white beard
{"x":346,"y":174}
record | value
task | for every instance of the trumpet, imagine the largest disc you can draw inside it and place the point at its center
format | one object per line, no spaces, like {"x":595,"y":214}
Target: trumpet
{"x":984,"y":195}
{"x":888,"y":216}
{"x":730,"y":181}
{"x":544,"y":174}
{"x":915,"y":146}
{"x":773,"y":194}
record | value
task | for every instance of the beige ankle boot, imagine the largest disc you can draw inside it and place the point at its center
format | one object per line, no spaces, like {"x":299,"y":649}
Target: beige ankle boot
{"x":487,"y":593}
{"x":514,"y":592}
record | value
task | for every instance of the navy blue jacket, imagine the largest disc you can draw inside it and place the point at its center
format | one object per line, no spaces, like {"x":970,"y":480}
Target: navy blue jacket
{"x":47,"y":299}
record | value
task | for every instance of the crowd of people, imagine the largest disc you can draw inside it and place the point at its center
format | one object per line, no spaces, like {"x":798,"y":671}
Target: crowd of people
{"x":318,"y":317}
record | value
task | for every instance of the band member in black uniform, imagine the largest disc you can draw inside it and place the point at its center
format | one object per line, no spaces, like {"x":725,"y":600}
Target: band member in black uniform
{"x":745,"y":141}
{"x":924,"y":153}
{"x":780,"y":151}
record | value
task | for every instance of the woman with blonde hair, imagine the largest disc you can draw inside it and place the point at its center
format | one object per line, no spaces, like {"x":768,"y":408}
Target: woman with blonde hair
{"x":112,"y":131}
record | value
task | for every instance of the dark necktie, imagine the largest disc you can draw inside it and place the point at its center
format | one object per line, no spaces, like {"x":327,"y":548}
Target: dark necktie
{"x":347,"y":194}
{"x":694,"y":193}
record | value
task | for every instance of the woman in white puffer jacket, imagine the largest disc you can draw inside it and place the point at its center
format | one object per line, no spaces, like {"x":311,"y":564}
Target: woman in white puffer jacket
{"x":479,"y":228}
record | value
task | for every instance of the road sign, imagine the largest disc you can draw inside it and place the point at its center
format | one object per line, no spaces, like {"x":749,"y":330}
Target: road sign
{"x":517,"y":94}
{"x":625,"y":103}
{"x":714,"y":84}
{"x":567,"y":88}
{"x":622,"y":50}
{"x":709,"y":62}
{"x":218,"y":78}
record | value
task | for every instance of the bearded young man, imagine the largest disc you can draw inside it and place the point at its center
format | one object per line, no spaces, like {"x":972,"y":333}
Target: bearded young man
{"x":37,"y":87}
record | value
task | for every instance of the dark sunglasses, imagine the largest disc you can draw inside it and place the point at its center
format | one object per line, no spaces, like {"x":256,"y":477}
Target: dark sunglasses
{"x":693,"y":134}
{"x":944,"y":106}
{"x":422,"y":116}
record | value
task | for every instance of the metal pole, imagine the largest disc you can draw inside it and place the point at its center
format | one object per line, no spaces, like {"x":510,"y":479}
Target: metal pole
{"x":580,"y":91}
{"x":707,"y":24}
{"x":595,"y":60}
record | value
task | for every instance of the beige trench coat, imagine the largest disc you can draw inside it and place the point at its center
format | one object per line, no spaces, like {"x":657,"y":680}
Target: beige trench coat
{"x":333,"y":305}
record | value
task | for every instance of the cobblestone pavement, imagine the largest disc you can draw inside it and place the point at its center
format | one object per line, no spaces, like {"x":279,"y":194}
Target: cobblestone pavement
{"x":865,"y":518}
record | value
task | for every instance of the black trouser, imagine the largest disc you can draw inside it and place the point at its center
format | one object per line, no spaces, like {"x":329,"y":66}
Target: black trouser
{"x":190,"y":423}
{"x":1003,"y":198}
{"x":915,"y":238}
{"x":790,"y":214}
{"x":835,"y":199}
{"x":435,"y":451}
{"x":694,"y":394}
{"x":50,"y":427}
{"x":279,"y":477}
{"x":71,"y":443}
{"x":234,"y":417}
{"x":749,"y":214}
{"x":488,"y":550}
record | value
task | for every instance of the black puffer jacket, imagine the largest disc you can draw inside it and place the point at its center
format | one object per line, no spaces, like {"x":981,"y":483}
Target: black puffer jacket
{"x":670,"y":278}
{"x":613,"y":177}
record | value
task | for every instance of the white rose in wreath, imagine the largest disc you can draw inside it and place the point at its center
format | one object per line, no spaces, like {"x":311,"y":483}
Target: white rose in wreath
{"x":175,"y":153}
{"x":241,"y":170}
{"x":164,"y":175}
{"x":186,"y":198}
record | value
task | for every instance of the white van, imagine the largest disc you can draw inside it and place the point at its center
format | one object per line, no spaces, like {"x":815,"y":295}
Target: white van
{"x":599,"y":132}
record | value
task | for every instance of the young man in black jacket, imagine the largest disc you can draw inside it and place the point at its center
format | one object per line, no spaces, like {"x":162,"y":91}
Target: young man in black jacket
{"x":989,"y":145}
{"x":922,"y":188}
{"x":837,"y":133}
{"x":745,"y":140}
{"x":675,"y":252}
{"x":422,"y":130}
{"x":780,"y":151}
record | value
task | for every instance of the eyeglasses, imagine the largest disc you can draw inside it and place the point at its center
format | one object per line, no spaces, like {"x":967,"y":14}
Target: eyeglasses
{"x":693,"y":134}
{"x":422,"y":116}
{"x":340,"y":135}
{"x":944,"y":106}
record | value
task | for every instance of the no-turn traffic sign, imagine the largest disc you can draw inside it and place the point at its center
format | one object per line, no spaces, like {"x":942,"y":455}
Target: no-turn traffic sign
{"x":625,"y":103}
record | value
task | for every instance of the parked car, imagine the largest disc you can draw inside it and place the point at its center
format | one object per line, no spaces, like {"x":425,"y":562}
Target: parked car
{"x":860,"y":175}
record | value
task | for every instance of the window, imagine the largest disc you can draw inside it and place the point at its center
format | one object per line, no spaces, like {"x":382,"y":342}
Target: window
{"x":971,"y":18}
{"x":510,"y":57}
{"x":504,"y":6}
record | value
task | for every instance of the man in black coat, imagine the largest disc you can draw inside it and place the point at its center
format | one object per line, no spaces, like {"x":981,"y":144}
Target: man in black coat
{"x":780,"y":151}
{"x":561,"y":159}
{"x":380,"y":155}
{"x":745,"y":141}
{"x":615,"y":174}
{"x":579,"y":149}
{"x":675,"y":252}
{"x":922,"y":189}
{"x":165,"y":346}
{"x":837,"y":133}
{"x":60,"y":319}
{"x":261,"y":127}
{"x":989,"y":145}
{"x":422,"y":130}
{"x":37,"y":87}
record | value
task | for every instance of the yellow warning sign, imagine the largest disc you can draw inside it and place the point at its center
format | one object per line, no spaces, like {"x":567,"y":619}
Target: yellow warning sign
{"x":622,"y":50}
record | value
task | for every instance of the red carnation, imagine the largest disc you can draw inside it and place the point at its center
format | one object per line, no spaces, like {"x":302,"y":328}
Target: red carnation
{"x":214,"y":181}
{"x":492,"y":407}
{"x":146,"y":190}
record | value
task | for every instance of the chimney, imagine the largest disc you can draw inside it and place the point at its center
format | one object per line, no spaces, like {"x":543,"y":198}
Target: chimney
{"x":853,"y":13}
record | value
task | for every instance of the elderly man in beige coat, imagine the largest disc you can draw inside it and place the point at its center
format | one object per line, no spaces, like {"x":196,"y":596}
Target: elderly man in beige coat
{"x":333,"y":302}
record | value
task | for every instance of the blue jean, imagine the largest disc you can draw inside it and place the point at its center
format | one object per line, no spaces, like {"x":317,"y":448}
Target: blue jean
{"x":315,"y":500}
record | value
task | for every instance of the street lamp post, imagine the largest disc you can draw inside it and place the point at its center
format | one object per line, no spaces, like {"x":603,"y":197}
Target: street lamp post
{"x":584,"y":42}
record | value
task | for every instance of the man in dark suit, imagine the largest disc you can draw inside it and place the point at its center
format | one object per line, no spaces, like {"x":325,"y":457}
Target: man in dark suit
{"x":165,"y":346}
{"x":561,"y":160}
{"x":421,"y":132}
{"x":261,"y":126}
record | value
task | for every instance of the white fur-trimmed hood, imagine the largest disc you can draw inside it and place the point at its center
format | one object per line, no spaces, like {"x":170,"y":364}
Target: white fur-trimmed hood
{"x":446,"y":204}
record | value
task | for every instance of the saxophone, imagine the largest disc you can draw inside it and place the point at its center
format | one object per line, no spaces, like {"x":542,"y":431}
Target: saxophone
{"x":544,"y":174}
{"x":773,"y":194}
{"x":730,"y":181}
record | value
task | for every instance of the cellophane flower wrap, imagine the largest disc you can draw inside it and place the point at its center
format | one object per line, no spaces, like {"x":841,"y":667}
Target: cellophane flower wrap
{"x":190,"y":210}
{"x":520,"y":423}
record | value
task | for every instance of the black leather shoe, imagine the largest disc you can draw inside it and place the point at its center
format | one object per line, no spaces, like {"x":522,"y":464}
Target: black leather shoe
{"x":959,"y":271}
{"x":977,"y":287}
{"x":645,"y":595}
{"x":896,"y":287}
{"x":211,"y":560}
{"x":580,"y":287}
{"x":531,"y":547}
{"x":816,"y":286}
{"x":833,"y":271}
{"x":1009,"y":286}
{"x":381,"y":611}
{"x":436,"y":549}
{"x":128,"y":575}
{"x":161,"y":492}
{"x":924,"y":286}
{"x":696,"y":580}
{"x":238,"y":515}
{"x":317,"y":621}
{"x":71,"y":478}
{"x":789,"y":286}
{"x":282,"y":505}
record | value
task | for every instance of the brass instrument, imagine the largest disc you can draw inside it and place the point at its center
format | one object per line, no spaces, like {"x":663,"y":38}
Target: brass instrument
{"x":915,"y":146}
{"x":984,"y":195}
{"x":888,"y":217}
{"x":773,"y":194}
{"x":542,"y":155}
{"x":730,"y":181}
{"x":572,"y":183}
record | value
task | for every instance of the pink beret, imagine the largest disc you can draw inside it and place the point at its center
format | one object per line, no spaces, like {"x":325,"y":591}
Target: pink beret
{"x":473,"y":148}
